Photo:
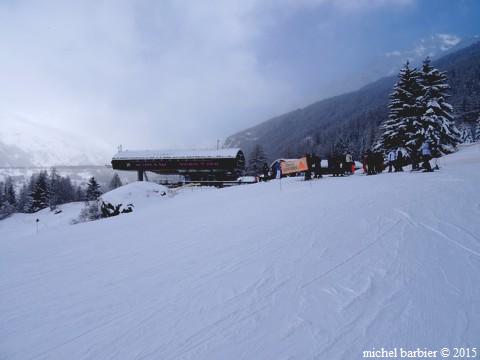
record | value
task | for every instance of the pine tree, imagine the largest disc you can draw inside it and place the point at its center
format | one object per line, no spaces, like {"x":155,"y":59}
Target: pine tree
{"x":405,"y":111}
{"x":40,"y":193}
{"x":436,"y":124}
{"x":466,"y":136}
{"x":22,"y":199}
{"x":477,"y":130}
{"x":93,"y":190}
{"x":115,"y":182}
{"x":66,"y":191}
{"x":54,"y":189}
{"x":257,"y":160}
{"x":8,"y":198}
{"x":90,"y":212}
{"x":9,"y":194}
{"x":343,"y":144}
{"x":2,"y":201}
{"x":28,"y":201}
{"x":80,"y":194}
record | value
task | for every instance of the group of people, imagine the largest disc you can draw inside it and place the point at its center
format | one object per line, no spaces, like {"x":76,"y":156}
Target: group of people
{"x":395,"y":160}
{"x":373,"y":163}
{"x":314,"y":167}
{"x":338,"y":165}
{"x":341,"y":165}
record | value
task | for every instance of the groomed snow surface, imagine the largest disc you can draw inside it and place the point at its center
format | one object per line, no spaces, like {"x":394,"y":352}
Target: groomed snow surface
{"x":281,"y":270}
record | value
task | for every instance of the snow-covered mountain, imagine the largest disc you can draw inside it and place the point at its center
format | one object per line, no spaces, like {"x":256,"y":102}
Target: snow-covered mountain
{"x":357,"y":115}
{"x":24,"y":143}
{"x":288,"y":269}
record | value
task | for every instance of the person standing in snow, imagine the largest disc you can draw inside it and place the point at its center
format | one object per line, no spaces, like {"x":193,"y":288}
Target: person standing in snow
{"x":348,"y":163}
{"x":414,"y":159}
{"x":391,"y":157}
{"x":426,"y":155}
{"x":399,"y":161}
{"x":265,"y":172}
{"x":370,"y":162}
{"x":341,"y":165}
{"x":308,"y":172}
{"x":276,"y":170}
{"x":364,"y":162}
{"x":317,"y":166}
{"x":378,"y":161}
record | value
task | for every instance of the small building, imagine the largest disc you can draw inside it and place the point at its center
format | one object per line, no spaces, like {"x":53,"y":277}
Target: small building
{"x":193,"y":165}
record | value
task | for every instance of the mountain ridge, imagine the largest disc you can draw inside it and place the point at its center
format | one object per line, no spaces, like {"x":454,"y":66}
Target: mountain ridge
{"x":354,"y":117}
{"x":25,"y":143}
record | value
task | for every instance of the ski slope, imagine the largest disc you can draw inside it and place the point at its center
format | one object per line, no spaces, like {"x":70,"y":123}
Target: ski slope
{"x":280,"y":270}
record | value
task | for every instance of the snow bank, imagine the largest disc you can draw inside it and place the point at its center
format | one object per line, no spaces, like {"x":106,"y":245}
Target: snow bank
{"x":323,"y":269}
{"x":139,"y":193}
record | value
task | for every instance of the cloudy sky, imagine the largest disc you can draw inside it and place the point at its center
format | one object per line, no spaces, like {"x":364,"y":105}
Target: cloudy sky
{"x":169,"y":74}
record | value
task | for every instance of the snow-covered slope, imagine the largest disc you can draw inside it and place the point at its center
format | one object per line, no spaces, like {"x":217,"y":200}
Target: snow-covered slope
{"x":306,"y":270}
{"x":140,"y":194}
{"x":24,"y":143}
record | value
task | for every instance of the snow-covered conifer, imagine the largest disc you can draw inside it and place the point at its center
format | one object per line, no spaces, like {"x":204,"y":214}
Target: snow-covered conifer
{"x":477,"y":130}
{"x":115,"y":182}
{"x":9,"y":194}
{"x":256,"y":160}
{"x":93,"y":190}
{"x":405,"y":111}
{"x":40,"y":192}
{"x":436,"y":123}
{"x":54,"y":189}
{"x":80,"y":194}
{"x":466,"y":135}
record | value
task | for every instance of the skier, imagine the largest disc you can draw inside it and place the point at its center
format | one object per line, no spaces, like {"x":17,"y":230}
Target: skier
{"x":399,"y":161}
{"x":414,"y":159}
{"x":277,"y":170}
{"x":348,"y":163}
{"x":391,"y":157}
{"x":308,"y":172}
{"x":364,"y":163}
{"x":265,"y":172}
{"x":379,"y":166}
{"x":426,"y":155}
{"x":341,"y":165}
{"x":317,"y":166}
{"x":370,"y":162}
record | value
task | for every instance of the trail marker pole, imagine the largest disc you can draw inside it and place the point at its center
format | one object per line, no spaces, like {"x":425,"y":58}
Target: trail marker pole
{"x":36,"y":225}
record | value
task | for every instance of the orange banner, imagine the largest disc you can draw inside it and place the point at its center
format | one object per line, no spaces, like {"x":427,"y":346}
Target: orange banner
{"x":291,"y":166}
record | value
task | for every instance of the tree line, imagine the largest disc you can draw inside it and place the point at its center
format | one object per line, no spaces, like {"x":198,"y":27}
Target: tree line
{"x":47,"y":190}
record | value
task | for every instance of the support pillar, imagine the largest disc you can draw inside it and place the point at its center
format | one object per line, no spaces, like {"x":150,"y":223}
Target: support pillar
{"x":140,"y":175}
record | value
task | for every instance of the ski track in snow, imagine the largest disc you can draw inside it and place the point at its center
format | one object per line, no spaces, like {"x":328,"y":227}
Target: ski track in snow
{"x":325,"y":270}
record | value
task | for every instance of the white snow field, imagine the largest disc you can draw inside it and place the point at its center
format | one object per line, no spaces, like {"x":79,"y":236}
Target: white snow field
{"x":309,"y":270}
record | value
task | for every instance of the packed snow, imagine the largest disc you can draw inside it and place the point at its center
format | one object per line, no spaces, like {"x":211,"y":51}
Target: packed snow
{"x":287,"y":269}
{"x":140,"y":194}
{"x":136,"y":192}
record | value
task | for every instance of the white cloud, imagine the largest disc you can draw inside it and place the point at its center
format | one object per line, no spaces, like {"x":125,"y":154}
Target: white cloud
{"x":367,"y":4}
{"x":169,"y":73}
{"x":347,"y":4}
{"x":448,"y":41}
{"x":393,"y":53}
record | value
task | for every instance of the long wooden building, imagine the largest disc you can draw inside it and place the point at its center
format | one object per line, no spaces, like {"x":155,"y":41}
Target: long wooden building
{"x":193,"y":165}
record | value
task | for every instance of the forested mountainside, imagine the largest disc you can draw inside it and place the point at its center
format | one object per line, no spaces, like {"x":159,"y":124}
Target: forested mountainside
{"x":352,"y":119}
